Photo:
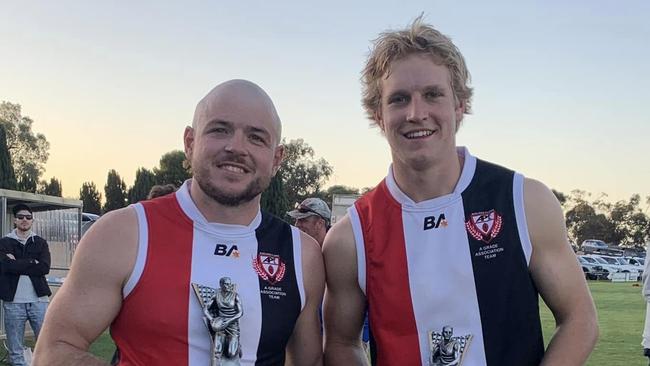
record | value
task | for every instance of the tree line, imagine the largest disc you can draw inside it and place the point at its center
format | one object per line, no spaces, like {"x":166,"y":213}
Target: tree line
{"x":23,"y":155}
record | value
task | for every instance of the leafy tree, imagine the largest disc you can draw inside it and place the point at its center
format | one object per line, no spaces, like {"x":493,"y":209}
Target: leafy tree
{"x":144,"y":180}
{"x":302,"y":174}
{"x":630,"y":223}
{"x":91,"y":198}
{"x":274,"y":198}
{"x":51,"y":188}
{"x":173,"y":169}
{"x":28,"y":151}
{"x":583,"y":222}
{"x":115,"y":190}
{"x":7,"y":176}
{"x":622,"y":223}
{"x":328,"y":195}
{"x":28,"y":179}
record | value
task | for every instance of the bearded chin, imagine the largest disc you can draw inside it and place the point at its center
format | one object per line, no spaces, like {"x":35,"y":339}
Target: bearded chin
{"x":232,"y":199}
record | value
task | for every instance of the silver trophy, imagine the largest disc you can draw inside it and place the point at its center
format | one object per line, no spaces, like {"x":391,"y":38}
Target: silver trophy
{"x":447,"y":350}
{"x":222,"y":309}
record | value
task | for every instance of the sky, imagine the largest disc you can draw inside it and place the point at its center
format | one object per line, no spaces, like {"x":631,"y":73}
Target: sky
{"x":560,"y":87}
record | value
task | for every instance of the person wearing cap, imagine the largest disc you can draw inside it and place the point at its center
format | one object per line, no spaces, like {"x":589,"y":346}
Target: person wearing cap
{"x":24,"y":262}
{"x":312,"y":217}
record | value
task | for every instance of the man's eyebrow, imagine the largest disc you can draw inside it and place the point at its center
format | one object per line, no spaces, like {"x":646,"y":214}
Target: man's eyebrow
{"x":260,"y":130}
{"x":218,"y":121}
{"x":397,"y":92}
{"x":434,"y":88}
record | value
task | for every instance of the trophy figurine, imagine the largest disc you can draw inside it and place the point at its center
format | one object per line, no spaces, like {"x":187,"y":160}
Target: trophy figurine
{"x":447,"y":350}
{"x":222,"y":309}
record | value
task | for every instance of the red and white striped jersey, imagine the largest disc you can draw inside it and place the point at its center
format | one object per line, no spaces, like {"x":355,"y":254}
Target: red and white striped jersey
{"x":448,"y":278}
{"x":161,"y":320}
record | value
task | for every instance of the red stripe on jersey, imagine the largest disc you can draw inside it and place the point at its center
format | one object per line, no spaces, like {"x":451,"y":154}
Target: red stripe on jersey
{"x":390,"y":309}
{"x":152,"y":326}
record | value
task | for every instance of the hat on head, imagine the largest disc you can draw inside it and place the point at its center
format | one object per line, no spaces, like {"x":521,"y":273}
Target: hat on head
{"x":311,"y":207}
{"x":21,"y":207}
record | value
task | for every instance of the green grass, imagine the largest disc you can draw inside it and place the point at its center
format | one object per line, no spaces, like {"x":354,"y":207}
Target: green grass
{"x":621,"y":313}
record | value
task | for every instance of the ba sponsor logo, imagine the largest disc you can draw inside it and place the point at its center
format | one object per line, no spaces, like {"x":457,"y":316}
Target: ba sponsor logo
{"x":434,"y":222}
{"x":269,"y":267}
{"x":225,"y":250}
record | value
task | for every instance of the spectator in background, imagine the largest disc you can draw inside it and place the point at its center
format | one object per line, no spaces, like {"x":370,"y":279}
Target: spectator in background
{"x":313,"y":217}
{"x":646,"y":294}
{"x":24,"y":262}
{"x":160,"y":190}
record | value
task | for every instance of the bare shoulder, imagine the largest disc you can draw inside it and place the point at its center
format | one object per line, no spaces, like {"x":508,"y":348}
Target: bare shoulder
{"x":544,"y":215}
{"x":310,"y":248}
{"x":312,"y":268}
{"x":111,"y":242}
{"x":339,"y":252}
{"x":340,"y":238}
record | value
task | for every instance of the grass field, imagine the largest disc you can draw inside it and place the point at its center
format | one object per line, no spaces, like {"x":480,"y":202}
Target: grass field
{"x":621,"y":312}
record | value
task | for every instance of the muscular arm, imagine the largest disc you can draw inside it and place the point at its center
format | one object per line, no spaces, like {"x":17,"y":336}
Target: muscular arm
{"x":559,"y":279}
{"x":91,"y":296}
{"x":305,"y":345}
{"x":344,"y":301}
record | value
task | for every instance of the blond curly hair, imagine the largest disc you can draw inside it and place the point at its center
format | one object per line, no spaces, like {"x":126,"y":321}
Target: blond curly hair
{"x":418,"y":38}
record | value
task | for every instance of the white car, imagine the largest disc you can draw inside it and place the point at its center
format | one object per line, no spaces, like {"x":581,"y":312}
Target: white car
{"x":600,"y":262}
{"x":635,"y":261}
{"x":622,"y":265}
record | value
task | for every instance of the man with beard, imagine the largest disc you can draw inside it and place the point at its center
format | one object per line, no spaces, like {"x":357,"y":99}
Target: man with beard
{"x":135,"y":269}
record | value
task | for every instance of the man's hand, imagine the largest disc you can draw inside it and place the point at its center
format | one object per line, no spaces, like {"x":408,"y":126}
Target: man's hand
{"x":11,"y":256}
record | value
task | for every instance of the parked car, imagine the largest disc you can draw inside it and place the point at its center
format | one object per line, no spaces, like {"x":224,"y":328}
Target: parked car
{"x":87,"y":219}
{"x":593,"y":245}
{"x":619,"y":262}
{"x":592,"y":270}
{"x":601,"y":262}
{"x":635,"y":261}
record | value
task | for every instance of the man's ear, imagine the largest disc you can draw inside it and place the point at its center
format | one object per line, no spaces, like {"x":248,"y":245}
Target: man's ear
{"x":460,"y":113}
{"x":278,"y":156}
{"x":188,"y":142}
{"x":379,"y":120}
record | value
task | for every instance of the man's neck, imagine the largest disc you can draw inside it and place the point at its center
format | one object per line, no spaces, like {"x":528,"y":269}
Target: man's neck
{"x":437,"y":180}
{"x":215,"y":212}
{"x":22,"y":234}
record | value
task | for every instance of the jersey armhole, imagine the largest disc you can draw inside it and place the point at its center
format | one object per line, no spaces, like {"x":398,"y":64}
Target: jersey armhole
{"x":297,"y":262}
{"x":141,"y":257}
{"x":520,"y":215}
{"x":359,"y":245}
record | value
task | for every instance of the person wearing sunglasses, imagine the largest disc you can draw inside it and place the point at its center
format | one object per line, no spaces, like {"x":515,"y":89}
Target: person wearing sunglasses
{"x":24,"y":262}
{"x":312,"y":216}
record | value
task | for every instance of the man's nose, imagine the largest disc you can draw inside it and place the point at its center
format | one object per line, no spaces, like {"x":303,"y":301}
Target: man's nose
{"x":417,"y":111}
{"x":237,"y":143}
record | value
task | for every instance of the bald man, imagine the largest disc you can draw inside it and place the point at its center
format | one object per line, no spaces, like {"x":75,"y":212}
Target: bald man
{"x":138,"y":269}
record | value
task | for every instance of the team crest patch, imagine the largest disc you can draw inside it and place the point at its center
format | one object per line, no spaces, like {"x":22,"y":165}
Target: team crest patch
{"x":484,"y":226}
{"x":445,"y":349}
{"x":269,"y":267}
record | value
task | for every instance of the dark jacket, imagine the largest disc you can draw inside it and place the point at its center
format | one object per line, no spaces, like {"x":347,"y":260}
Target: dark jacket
{"x":32,"y":259}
